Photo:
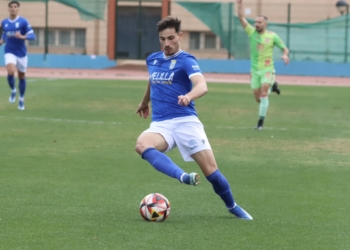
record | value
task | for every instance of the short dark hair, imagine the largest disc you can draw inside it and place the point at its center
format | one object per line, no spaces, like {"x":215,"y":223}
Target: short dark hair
{"x":12,"y":2}
{"x":169,"y":22}
{"x":265,"y":17}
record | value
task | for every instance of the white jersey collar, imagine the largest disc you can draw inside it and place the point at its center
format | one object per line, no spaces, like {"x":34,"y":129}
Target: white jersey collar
{"x":175,"y":55}
{"x":14,"y":20}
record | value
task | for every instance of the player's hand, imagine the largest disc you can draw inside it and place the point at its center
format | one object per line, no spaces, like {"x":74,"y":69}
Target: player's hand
{"x":19,"y":36}
{"x":143,"y":110}
{"x":1,"y":42}
{"x":239,"y":1}
{"x":183,"y":100}
{"x":285,"y":58}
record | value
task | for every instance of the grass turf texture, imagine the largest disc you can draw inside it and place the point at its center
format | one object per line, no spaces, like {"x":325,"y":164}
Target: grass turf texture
{"x":70,"y":179}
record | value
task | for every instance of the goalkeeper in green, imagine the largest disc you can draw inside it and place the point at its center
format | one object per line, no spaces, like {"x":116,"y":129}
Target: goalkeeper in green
{"x":262,"y":42}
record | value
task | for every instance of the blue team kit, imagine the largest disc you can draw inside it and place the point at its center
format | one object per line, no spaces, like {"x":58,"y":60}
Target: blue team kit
{"x":14,"y":45}
{"x":170,"y":78}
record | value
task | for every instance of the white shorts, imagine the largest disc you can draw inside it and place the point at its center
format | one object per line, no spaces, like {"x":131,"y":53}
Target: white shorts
{"x":187,"y":133}
{"x":20,"y":62}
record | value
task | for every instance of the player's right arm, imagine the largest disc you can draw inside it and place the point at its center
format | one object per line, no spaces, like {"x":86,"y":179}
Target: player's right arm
{"x":242,"y":19}
{"x":143,"y":108}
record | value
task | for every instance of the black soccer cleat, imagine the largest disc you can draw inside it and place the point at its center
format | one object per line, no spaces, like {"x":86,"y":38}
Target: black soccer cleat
{"x":275,"y":88}
{"x":260,"y":124}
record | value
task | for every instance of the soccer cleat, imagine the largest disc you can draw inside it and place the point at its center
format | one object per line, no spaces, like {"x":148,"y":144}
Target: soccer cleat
{"x":240,"y":213}
{"x":191,"y":179}
{"x":12,"y":97}
{"x":260,"y":124}
{"x":275,"y":88}
{"x":21,"y":105}
{"x":194,"y":179}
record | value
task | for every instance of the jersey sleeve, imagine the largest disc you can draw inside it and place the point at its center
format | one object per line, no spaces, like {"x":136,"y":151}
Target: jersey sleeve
{"x":249,"y":29}
{"x":278,"y":42}
{"x":27,"y":27}
{"x":191,"y":67}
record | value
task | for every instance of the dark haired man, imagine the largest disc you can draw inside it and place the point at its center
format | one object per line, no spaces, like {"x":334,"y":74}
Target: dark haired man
{"x":175,"y":82}
{"x":263,"y":72}
{"x":16,"y":30}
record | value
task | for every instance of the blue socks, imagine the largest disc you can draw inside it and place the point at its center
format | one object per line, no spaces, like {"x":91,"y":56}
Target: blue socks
{"x":165,"y":165}
{"x":162,"y":163}
{"x":22,"y":87}
{"x":11,"y":81}
{"x":222,"y":188}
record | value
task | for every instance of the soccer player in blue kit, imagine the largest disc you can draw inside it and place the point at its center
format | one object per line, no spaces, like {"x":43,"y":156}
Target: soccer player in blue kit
{"x":175,"y":82}
{"x":16,"y":30}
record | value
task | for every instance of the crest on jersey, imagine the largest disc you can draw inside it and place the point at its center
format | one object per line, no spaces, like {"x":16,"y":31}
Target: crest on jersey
{"x":6,"y":25}
{"x":17,"y":24}
{"x":172,"y":64}
{"x":155,"y":61}
{"x":267,"y":40}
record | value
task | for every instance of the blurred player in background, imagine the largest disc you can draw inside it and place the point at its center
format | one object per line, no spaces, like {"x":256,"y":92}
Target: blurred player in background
{"x":175,"y":82}
{"x":263,"y":72}
{"x":16,"y":30}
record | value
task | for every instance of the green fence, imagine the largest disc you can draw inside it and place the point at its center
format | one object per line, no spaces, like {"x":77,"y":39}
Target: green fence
{"x":88,"y":9}
{"x":326,"y":41}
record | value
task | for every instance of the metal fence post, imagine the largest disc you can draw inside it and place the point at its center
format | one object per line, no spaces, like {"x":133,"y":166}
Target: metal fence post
{"x":288,"y":25}
{"x":229,"y":30}
{"x":139,"y":32}
{"x":346,"y":34}
{"x":46,"y":35}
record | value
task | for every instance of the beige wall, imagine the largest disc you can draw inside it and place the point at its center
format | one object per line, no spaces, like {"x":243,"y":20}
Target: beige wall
{"x":275,"y":10}
{"x":61,"y":16}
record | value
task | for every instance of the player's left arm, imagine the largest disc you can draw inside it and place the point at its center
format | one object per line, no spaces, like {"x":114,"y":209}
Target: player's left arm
{"x":28,"y":32}
{"x":280,"y":44}
{"x":199,"y":83}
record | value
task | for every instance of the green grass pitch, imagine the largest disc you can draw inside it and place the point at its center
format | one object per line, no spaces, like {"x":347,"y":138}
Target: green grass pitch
{"x":70,"y":178}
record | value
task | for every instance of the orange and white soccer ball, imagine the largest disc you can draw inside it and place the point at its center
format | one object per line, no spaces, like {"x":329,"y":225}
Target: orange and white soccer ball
{"x":155,"y":207}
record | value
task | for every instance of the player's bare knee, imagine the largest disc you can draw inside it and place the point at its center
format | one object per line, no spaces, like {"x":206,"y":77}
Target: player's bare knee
{"x":140,"y":146}
{"x":10,"y":72}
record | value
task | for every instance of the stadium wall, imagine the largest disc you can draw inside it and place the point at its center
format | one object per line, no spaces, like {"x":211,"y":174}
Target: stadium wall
{"x":65,"y":61}
{"x":207,"y":65}
{"x":294,"y":68}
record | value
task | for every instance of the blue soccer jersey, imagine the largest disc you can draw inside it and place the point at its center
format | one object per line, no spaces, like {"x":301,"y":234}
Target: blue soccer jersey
{"x":15,"y":45}
{"x":170,"y":78}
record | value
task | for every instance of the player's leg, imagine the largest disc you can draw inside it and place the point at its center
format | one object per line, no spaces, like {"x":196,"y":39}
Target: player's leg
{"x":10,"y":62}
{"x":193,"y":144}
{"x":22,"y":67}
{"x":257,"y":94}
{"x":206,"y":161}
{"x":151,"y":145}
{"x":22,"y":89}
{"x":275,"y":88}
{"x":255,"y":84}
{"x":267,"y":79}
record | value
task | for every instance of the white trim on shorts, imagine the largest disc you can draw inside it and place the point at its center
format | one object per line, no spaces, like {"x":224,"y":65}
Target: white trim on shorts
{"x":187,"y":133}
{"x":20,"y":62}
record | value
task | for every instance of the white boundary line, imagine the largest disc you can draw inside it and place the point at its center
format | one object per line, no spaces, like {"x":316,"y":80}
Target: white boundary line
{"x":43,"y":119}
